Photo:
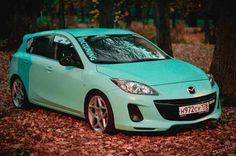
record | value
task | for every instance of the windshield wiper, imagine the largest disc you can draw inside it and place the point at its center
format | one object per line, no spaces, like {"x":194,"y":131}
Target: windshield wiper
{"x":109,"y":62}
{"x":149,"y":59}
{"x":132,"y":61}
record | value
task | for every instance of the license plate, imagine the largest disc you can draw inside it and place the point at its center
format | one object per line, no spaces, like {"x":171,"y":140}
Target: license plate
{"x":197,"y":108}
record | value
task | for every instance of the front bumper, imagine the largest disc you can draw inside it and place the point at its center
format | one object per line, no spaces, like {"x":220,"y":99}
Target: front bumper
{"x":152,"y":119}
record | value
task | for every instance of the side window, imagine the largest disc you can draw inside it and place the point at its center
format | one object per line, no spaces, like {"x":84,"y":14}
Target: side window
{"x":40,"y":46}
{"x":63,"y":48}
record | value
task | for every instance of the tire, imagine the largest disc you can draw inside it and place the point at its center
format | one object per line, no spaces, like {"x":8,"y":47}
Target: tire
{"x":98,"y":113}
{"x":18,"y":94}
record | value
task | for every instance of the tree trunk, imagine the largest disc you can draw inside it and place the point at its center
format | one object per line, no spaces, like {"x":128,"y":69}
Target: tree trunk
{"x":149,"y":2}
{"x":207,"y":10}
{"x":223,"y":66}
{"x":138,"y":10}
{"x":192,"y":20}
{"x":106,"y":19}
{"x":206,"y":29}
{"x":173,"y":19}
{"x":82,"y":11}
{"x":212,"y":33}
{"x":163,"y":26}
{"x":62,"y":14}
{"x":127,"y":10}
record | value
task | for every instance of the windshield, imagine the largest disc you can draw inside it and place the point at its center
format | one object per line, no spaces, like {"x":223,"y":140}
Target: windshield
{"x":119,"y":49}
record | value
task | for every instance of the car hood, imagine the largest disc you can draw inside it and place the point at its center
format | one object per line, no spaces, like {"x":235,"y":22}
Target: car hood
{"x":154,"y":72}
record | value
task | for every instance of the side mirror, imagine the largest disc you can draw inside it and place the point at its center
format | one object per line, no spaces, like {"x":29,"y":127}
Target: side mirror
{"x":67,"y":61}
{"x":70,"y":61}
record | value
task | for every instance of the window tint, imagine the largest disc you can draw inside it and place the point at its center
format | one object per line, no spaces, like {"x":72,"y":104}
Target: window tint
{"x":63,"y":47}
{"x":40,"y":46}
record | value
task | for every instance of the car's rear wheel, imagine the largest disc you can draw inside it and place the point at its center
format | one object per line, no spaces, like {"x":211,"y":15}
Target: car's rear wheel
{"x":18,"y":94}
{"x":99,"y":113}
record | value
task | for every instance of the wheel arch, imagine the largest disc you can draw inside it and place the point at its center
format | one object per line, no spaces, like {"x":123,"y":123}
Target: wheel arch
{"x":87,"y":97}
{"x":111,"y":129}
{"x":13,"y":77}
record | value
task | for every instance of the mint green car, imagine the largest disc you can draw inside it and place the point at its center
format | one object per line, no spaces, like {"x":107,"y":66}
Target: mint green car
{"x":114,"y":78}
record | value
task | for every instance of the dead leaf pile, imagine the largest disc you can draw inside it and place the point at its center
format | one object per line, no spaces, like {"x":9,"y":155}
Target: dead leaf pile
{"x":40,"y":131}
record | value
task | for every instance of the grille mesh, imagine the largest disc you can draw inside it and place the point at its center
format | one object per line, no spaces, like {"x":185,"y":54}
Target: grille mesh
{"x":169,"y":109}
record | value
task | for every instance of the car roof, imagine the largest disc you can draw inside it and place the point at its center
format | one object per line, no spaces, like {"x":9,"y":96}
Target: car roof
{"x":77,"y":32}
{"x":96,"y":31}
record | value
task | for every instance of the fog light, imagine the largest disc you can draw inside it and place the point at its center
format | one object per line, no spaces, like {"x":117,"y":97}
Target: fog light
{"x":134,"y":113}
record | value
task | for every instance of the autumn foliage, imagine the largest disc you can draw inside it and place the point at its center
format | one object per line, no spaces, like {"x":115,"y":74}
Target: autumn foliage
{"x":40,"y":131}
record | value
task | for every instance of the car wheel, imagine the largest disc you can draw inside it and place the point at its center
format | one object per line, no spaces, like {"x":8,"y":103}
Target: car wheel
{"x":18,"y":94}
{"x":99,"y":113}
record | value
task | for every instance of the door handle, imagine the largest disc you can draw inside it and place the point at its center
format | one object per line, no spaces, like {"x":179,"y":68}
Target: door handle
{"x":48,"y":68}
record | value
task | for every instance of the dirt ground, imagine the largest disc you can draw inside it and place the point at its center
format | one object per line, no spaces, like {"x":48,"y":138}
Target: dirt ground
{"x":40,"y":131}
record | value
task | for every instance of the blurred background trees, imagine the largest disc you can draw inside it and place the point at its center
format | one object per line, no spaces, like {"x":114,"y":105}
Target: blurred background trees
{"x":159,"y":20}
{"x":51,"y":14}
{"x":163,"y":21}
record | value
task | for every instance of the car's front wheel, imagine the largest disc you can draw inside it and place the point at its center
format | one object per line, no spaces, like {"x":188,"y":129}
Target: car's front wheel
{"x":18,"y":94}
{"x":99,"y":113}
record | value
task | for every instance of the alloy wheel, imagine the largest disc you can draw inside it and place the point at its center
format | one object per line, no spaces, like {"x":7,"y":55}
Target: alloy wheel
{"x":17,"y":93}
{"x":98,"y":113}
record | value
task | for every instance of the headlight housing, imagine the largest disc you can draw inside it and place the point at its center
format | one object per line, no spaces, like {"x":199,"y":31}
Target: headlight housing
{"x":134,"y":87}
{"x":211,"y":79}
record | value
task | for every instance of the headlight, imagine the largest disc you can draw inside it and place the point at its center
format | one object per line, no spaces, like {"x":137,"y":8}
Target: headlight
{"x":134,"y":87}
{"x":211,"y":79}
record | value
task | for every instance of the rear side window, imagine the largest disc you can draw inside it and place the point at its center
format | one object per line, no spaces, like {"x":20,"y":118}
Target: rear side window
{"x":40,"y":46}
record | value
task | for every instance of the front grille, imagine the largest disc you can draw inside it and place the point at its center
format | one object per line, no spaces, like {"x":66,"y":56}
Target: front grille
{"x":169,"y":109}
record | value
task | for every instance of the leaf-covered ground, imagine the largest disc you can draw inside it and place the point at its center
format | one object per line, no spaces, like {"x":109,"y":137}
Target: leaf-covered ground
{"x":39,"y":131}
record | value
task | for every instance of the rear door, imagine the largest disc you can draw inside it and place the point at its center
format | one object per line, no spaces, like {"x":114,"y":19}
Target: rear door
{"x":42,"y":60}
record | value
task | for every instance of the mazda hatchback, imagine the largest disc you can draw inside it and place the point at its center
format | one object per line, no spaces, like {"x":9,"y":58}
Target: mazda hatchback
{"x":114,"y":78}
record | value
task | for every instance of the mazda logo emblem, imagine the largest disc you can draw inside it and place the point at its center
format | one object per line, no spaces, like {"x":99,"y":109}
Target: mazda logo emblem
{"x":191,"y":90}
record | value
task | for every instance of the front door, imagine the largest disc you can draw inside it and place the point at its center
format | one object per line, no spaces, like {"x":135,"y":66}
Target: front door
{"x":66,"y":82}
